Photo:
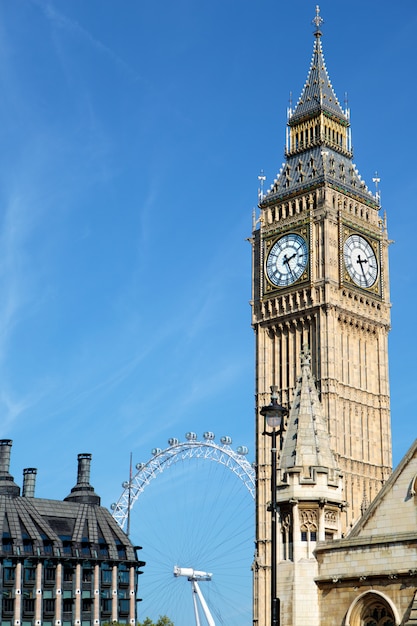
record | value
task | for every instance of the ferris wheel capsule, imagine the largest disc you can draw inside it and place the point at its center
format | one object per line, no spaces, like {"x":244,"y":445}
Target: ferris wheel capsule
{"x":226,"y":441}
{"x":173,"y":441}
{"x":242,"y":450}
{"x":191,"y":436}
{"x":156,"y":451}
{"x":209,"y":436}
{"x":140,"y":466}
{"x":125,"y":484}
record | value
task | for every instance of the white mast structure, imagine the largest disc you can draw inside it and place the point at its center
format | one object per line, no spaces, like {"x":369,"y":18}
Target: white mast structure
{"x":194,"y":576}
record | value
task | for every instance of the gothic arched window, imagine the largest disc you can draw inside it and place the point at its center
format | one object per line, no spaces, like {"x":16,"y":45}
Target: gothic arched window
{"x":372,"y":608}
{"x":377,"y":614}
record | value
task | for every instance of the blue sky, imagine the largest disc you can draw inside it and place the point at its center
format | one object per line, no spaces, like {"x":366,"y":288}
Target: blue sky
{"x":131,"y":137}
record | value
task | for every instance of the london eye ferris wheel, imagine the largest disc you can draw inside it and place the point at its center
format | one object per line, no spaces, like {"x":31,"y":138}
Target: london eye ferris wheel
{"x":198,"y":514}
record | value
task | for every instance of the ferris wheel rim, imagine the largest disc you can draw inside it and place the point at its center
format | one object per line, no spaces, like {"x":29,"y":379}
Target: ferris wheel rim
{"x":161,"y":460}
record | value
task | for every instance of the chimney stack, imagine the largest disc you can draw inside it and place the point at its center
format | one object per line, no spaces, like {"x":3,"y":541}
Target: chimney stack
{"x":7,"y":485}
{"x":84,"y":464}
{"x":29,"y":481}
{"x":83,"y":491}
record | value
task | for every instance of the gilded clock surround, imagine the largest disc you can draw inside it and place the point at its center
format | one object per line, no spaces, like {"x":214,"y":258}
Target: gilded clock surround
{"x":375,"y":287}
{"x":269,"y":243}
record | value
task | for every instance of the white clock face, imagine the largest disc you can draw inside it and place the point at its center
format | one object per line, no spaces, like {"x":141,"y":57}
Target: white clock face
{"x":287,"y":260}
{"x":360,"y":261}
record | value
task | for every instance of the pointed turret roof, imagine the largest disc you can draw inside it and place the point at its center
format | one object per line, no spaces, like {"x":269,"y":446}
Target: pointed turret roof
{"x":318,"y":94}
{"x":318,"y":148}
{"x":307,"y":442}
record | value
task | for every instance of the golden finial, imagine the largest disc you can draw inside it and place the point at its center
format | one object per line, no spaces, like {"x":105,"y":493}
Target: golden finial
{"x":318,"y":21}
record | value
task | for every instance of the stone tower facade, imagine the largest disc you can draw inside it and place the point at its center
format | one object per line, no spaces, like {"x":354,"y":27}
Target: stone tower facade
{"x":320,"y":279}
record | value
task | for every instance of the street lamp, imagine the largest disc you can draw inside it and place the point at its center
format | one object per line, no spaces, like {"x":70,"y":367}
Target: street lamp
{"x":274,"y":417}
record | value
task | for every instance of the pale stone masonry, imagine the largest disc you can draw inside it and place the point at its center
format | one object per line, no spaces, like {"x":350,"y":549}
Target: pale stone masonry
{"x":346,"y":551}
{"x":377,"y":561}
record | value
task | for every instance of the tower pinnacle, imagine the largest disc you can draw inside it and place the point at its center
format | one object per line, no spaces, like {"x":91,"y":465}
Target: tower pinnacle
{"x":318,"y":21}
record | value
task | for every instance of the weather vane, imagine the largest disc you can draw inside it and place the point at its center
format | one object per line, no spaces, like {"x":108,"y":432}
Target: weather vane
{"x":318,"y":21}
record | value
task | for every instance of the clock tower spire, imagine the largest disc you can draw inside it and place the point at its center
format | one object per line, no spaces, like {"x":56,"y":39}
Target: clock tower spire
{"x":320,"y":282}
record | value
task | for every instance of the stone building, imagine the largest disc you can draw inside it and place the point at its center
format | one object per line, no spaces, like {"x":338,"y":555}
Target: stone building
{"x":62,"y":563}
{"x":321,"y":317}
{"x":370,"y":576}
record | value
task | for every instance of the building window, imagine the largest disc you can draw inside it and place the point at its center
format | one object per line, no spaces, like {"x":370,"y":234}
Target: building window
{"x":308,"y":518}
{"x":8,"y":605}
{"x":103,"y":548}
{"x":106,"y":576}
{"x":67,"y":605}
{"x":87,"y":575}
{"x":29,"y":575}
{"x":49,"y":574}
{"x":106,"y":604}
{"x":68,"y":573}
{"x":123,"y":577}
{"x":29,"y":606}
{"x":8,"y":575}
{"x":7,"y":545}
{"x":371,"y":609}
{"x":308,"y":535}
{"x":121,"y":550}
{"x":49,"y":605}
{"x":124,"y":606}
{"x":377,"y":615}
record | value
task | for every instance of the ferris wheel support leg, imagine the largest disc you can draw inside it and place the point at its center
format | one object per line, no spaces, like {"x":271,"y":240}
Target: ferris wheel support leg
{"x":197,"y":617}
{"x":206,"y":610}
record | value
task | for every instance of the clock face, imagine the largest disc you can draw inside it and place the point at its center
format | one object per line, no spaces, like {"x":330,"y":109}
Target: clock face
{"x":360,"y":261}
{"x":287,"y":260}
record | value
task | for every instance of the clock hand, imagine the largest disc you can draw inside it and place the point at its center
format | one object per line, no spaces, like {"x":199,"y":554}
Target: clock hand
{"x":361,"y":262}
{"x":288,"y":259}
{"x":287,"y":262}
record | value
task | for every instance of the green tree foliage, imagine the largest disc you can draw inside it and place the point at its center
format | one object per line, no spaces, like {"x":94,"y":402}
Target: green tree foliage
{"x":162,"y":621}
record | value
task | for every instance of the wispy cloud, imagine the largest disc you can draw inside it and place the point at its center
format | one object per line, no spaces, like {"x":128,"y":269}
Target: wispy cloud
{"x":12,"y":407}
{"x":59,"y":20}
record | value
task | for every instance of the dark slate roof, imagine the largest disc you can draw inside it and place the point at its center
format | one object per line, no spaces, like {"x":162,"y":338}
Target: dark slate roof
{"x":77,"y":527}
{"x":318,"y":94}
{"x":316,"y":166}
{"x":49,"y":524}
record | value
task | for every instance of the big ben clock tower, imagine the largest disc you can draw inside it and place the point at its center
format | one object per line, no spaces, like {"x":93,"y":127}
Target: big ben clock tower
{"x":320,"y":280}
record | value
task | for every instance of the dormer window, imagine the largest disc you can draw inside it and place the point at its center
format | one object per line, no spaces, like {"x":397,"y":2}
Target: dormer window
{"x":7,"y":544}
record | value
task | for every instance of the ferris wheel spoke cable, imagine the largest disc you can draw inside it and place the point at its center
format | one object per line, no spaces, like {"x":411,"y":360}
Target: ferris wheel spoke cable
{"x":163,"y":459}
{"x":204,"y":527}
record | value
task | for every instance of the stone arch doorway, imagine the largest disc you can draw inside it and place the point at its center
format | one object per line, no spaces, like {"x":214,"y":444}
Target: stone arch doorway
{"x":372,"y":608}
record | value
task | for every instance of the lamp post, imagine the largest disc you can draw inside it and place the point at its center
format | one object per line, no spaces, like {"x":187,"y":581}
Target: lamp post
{"x":274,"y":416}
